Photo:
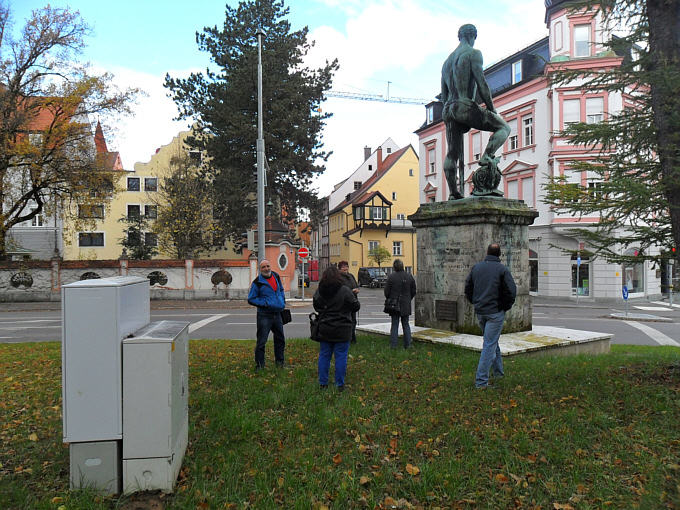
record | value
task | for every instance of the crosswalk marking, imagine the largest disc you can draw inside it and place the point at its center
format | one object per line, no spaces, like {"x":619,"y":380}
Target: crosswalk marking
{"x":655,"y":335}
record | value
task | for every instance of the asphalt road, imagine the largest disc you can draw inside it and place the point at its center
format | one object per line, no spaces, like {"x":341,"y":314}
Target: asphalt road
{"x":648,"y":323}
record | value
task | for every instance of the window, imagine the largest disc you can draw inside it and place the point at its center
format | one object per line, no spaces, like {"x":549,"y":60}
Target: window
{"x":596,"y":188}
{"x":571,"y":111}
{"x":528,"y":125}
{"x":195,"y":158}
{"x":133,"y":184}
{"x":394,"y":195}
{"x":513,"y":142}
{"x":396,"y":248}
{"x":582,"y":41}
{"x":357,"y":185}
{"x":134,"y":238}
{"x":594,"y":110}
{"x":378,"y":213}
{"x":86,"y":239}
{"x":431,"y":161}
{"x":150,"y":184}
{"x":151,"y":211}
{"x":633,"y":274}
{"x":430,"y":114}
{"x":150,"y":239}
{"x":401,"y":216}
{"x":580,"y":275}
{"x":476,"y":146}
{"x":410,"y":172}
{"x":91,"y":211}
{"x":38,"y":220}
{"x":372,"y":245}
{"x":516,"y":72}
{"x":134,"y":211}
{"x":358,"y":213}
{"x":389,"y":150}
{"x":533,"y":271}
{"x":431,"y":199}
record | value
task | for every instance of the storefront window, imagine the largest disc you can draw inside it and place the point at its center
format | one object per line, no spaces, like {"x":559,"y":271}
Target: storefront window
{"x":633,"y":274}
{"x":533,"y":271}
{"x":580,"y":275}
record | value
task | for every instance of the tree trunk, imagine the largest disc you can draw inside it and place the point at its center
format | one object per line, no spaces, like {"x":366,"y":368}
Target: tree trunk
{"x":664,"y":46}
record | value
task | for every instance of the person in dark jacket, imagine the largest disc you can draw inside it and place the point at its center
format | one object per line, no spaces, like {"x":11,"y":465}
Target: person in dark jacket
{"x":349,"y":281}
{"x":402,"y":286}
{"x":490,"y":288}
{"x":334,"y":303}
{"x":267,"y":294}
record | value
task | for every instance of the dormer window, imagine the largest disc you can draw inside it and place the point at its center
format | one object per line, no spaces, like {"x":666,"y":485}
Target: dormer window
{"x":430,"y":114}
{"x":582,"y":40}
{"x":516,"y":72}
{"x":357,"y":185}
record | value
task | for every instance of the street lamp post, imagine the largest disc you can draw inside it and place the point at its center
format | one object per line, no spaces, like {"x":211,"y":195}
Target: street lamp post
{"x":260,"y":153}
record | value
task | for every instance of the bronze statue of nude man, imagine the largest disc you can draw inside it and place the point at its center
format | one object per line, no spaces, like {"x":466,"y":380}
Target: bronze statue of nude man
{"x":462,"y":77}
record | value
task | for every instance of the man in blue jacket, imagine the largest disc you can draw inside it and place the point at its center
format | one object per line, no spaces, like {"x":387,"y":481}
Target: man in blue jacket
{"x":266,"y":292}
{"x":492,"y":291}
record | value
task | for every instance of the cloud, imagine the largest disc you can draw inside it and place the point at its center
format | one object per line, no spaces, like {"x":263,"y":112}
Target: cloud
{"x":151,"y":126}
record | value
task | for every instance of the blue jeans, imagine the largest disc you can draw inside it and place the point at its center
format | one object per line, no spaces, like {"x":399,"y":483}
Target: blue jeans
{"x":394,"y":331}
{"x":326,"y":352}
{"x":490,"y":359}
{"x":269,"y":321}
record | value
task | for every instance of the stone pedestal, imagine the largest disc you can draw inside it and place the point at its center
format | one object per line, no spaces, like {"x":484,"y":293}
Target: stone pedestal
{"x":452,"y":237}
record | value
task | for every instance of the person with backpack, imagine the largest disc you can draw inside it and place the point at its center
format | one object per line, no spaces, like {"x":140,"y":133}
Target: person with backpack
{"x":400,"y":288}
{"x":267,"y":294}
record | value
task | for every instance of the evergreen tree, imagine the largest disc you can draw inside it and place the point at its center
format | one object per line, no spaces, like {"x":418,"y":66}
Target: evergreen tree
{"x":635,"y":171}
{"x":223,"y":102}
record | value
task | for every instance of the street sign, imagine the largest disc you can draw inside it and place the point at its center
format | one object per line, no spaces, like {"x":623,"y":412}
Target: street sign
{"x":625,"y":292}
{"x":303,"y":252}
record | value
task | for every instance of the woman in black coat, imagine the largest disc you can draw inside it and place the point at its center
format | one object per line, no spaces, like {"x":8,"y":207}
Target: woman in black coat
{"x":401,"y":285}
{"x":334,"y":303}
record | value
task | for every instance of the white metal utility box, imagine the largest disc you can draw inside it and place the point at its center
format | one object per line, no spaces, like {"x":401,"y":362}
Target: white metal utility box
{"x":155,"y":405}
{"x":96,"y":316}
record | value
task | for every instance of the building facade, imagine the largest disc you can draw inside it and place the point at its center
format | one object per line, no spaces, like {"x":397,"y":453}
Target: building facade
{"x":373,"y":211}
{"x":561,"y":264}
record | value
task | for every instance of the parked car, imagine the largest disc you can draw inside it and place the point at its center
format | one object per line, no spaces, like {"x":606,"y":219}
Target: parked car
{"x":306,"y":280}
{"x":372,"y":277}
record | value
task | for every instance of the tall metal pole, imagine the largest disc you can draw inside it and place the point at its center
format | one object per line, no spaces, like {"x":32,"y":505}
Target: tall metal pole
{"x":260,"y":153}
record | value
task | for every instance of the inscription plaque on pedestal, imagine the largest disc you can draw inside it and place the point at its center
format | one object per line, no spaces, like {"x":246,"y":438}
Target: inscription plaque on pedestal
{"x":446,"y":310}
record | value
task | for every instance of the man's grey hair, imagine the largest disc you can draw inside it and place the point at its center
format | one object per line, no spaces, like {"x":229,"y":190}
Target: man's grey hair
{"x":398,"y":265}
{"x":467,"y":30}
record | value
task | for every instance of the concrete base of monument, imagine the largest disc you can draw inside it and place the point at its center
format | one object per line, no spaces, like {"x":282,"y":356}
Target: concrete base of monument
{"x":540,"y":341}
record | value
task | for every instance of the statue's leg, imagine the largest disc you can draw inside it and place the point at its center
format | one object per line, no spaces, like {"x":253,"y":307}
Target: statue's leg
{"x":454,"y":157}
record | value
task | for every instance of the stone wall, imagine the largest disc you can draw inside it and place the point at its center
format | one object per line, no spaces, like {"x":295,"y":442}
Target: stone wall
{"x":169,"y":279}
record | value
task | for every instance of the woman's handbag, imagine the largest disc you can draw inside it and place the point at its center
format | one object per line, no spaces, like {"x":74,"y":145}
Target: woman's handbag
{"x":393,"y":306}
{"x":286,"y":316}
{"x":314,"y":320}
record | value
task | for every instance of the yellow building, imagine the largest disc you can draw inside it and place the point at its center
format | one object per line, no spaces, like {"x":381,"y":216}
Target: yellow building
{"x":137,"y":188}
{"x":375,"y":213}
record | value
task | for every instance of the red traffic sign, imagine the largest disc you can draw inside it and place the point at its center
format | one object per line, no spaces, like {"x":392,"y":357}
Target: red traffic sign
{"x":303,"y":253}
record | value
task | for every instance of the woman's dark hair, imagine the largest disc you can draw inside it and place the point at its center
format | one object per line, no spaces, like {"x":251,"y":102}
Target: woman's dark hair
{"x":398,"y":265}
{"x":343,"y":263}
{"x":331,"y":276}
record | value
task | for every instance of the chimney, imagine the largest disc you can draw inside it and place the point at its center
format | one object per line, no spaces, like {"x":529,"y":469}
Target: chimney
{"x":380,"y":160}
{"x":367,"y":152}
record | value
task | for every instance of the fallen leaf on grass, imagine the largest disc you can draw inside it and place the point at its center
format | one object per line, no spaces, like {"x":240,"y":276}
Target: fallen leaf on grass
{"x":364,"y":480}
{"x":33,"y":437}
{"x":501,"y":478}
{"x":412,"y":470}
{"x":337,"y":459}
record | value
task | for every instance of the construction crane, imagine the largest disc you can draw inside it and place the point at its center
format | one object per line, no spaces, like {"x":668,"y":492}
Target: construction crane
{"x":378,"y":97}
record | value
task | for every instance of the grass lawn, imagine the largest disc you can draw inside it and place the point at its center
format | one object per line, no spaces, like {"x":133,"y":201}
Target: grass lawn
{"x":411,"y":431}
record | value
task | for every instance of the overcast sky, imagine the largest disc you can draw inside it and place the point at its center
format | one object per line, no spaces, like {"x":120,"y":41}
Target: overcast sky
{"x":400,"y":42}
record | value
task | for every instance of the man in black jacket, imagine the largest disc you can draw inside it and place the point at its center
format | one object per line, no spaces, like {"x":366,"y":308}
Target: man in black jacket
{"x":492,"y":291}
